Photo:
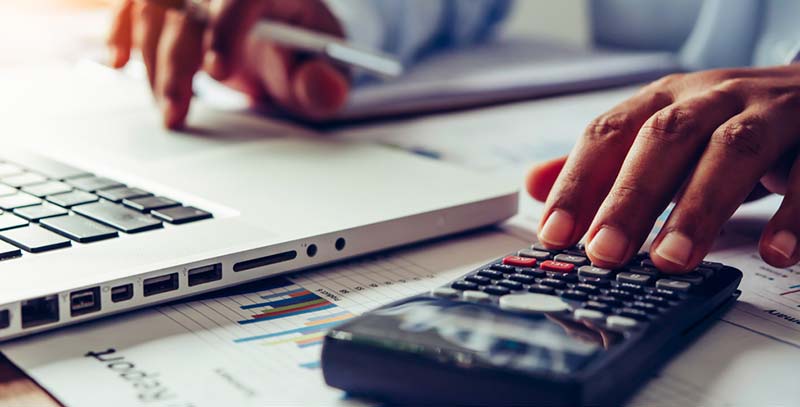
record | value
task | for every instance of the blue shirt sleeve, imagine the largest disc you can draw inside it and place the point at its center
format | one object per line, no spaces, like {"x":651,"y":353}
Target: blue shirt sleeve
{"x":410,"y":29}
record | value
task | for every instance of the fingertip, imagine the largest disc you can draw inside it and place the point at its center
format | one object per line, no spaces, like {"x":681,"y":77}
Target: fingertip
{"x":214,"y":65}
{"x":778,"y":249}
{"x":174,"y":114}
{"x":542,"y":176}
{"x":118,"y":57}
{"x":320,"y":89}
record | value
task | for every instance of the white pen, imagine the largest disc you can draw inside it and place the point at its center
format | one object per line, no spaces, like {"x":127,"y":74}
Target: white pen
{"x":334,"y":48}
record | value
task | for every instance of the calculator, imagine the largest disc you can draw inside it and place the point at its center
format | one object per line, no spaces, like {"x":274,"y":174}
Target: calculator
{"x":541,"y":326}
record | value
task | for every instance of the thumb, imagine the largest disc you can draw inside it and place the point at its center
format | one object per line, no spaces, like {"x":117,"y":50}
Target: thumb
{"x":320,"y":89}
{"x":542,"y":177}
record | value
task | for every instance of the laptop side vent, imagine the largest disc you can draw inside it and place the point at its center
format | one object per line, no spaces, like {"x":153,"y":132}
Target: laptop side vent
{"x":264,"y":261}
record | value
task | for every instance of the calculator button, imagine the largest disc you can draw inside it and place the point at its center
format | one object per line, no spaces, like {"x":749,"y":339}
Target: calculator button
{"x":656,"y":300}
{"x":588,"y":314}
{"x":705,"y":272}
{"x":620,"y":322}
{"x":496,"y":290}
{"x":558,"y":266}
{"x":531,"y":302}
{"x":610,"y":301}
{"x":572,"y":259}
{"x":691,"y":278}
{"x":620,"y":294}
{"x":532,"y":272}
{"x":444,"y":292}
{"x":597,"y":282}
{"x":540,"y":247}
{"x":568,"y":277}
{"x":575,"y":295}
{"x":490,"y":274}
{"x":712,"y":265}
{"x":644,"y":270}
{"x":503,"y":268}
{"x":587,"y":288}
{"x":668,"y":294}
{"x":512,"y":285}
{"x":592,"y":271}
{"x":464,"y":285}
{"x":645,"y":306}
{"x":635,"y":288}
{"x":534,"y":254}
{"x":480,"y":280}
{"x":634,"y":278}
{"x":674,"y":285}
{"x":518,"y":261}
{"x":597,"y":306}
{"x":551,"y":282}
{"x":541,"y":289}
{"x":476,"y":296}
{"x":522,"y":278}
{"x":634,"y":314}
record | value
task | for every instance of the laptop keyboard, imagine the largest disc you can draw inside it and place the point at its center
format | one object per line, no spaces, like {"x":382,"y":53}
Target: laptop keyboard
{"x":47,"y":205}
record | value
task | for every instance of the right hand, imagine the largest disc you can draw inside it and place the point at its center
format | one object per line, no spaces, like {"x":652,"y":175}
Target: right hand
{"x":174,"y":47}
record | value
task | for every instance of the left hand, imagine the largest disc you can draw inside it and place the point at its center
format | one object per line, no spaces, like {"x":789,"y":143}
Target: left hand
{"x":706,"y":140}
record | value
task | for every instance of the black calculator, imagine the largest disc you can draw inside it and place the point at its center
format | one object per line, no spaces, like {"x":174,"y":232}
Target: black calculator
{"x":539,"y":327}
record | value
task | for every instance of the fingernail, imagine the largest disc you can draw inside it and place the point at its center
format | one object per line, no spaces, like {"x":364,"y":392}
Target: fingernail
{"x":676,"y":248}
{"x":557,"y":230}
{"x":784,"y":242}
{"x":609,"y":244}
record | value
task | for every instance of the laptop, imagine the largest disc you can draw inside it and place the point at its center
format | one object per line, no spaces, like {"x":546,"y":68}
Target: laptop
{"x":105,"y":212}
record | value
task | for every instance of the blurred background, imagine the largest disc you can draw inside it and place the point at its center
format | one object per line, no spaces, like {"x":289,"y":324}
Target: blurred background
{"x":36,"y":33}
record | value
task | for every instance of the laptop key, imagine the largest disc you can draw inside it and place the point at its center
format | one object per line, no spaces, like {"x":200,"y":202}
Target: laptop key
{"x":47,"y":188}
{"x":24,"y":179}
{"x":37,"y":212}
{"x":118,"y":217}
{"x":181,"y":214}
{"x":73,"y":198}
{"x":79,"y":229}
{"x":50,"y":168}
{"x":18,"y":200}
{"x":8,"y":251}
{"x":118,"y":194}
{"x":34,"y":239}
{"x":7,"y":169}
{"x":92,"y":184}
{"x":7,"y":190}
{"x":9,"y":221}
{"x":150,"y":203}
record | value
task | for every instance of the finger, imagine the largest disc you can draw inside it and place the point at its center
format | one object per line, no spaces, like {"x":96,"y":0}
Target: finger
{"x":120,"y":38}
{"x":542,"y":176}
{"x":320,"y":89}
{"x":778,"y":245}
{"x":272,"y":65}
{"x":660,"y":159}
{"x":180,"y":53}
{"x":230,"y":21}
{"x":738,"y":154}
{"x":592,"y":167}
{"x":149,"y":20}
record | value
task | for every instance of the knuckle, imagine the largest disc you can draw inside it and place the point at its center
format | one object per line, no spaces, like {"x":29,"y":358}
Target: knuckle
{"x":734,"y":85}
{"x":744,"y":137}
{"x":668,"y":80}
{"x":670,"y":125}
{"x":612,"y":127}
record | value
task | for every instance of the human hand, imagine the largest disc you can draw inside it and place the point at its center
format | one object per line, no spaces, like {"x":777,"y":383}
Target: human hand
{"x":706,"y":140}
{"x":174,"y":47}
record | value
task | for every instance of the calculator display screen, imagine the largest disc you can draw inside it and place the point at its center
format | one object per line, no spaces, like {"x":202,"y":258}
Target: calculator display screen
{"x":473,"y":334}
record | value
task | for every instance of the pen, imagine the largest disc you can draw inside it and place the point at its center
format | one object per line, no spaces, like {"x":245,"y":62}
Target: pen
{"x":333,"y":48}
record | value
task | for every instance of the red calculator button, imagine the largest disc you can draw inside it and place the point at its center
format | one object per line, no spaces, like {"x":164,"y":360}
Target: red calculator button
{"x":558,"y":266}
{"x":518,"y":261}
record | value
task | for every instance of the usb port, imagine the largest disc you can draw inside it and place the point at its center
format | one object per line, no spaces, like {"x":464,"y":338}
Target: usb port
{"x":122,"y":293}
{"x":39,"y":311}
{"x":205,"y":274}
{"x":5,"y":319}
{"x":160,"y":284}
{"x":84,"y":301}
